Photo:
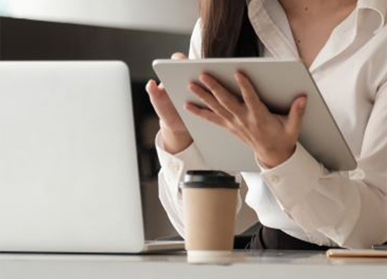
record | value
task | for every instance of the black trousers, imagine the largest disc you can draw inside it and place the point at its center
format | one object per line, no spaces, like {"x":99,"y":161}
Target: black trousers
{"x":259,"y":237}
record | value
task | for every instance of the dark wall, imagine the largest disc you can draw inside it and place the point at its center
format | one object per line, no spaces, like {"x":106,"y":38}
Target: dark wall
{"x":31,"y":40}
{"x":34,"y":40}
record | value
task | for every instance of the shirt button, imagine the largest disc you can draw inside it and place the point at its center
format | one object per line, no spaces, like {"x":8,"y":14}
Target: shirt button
{"x":274,"y":178}
{"x":174,"y":167}
{"x":357,"y":175}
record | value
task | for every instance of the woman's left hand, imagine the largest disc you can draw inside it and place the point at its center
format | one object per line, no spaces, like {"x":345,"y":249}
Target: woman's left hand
{"x":272,"y":137}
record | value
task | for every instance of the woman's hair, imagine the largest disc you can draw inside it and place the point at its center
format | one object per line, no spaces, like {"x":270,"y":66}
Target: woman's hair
{"x":226,"y":29}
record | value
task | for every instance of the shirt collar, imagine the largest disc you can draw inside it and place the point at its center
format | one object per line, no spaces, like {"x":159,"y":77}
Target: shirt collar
{"x":368,"y":17}
{"x":377,"y":6}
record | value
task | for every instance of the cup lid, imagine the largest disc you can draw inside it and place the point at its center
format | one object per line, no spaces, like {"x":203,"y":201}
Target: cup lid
{"x":209,"y":179}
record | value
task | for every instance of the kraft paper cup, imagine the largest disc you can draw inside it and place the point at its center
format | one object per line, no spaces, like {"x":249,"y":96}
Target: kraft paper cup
{"x":209,"y":204}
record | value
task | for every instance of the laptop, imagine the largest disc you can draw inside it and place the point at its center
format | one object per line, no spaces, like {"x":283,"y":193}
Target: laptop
{"x":69,"y":178}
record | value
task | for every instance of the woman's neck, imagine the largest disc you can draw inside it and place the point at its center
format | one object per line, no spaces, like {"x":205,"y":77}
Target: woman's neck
{"x":298,"y":7}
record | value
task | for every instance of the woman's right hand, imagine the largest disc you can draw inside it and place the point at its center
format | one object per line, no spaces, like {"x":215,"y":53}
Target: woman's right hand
{"x":175,"y":135}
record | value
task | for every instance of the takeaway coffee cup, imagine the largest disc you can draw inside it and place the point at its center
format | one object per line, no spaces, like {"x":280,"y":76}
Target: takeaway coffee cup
{"x":209,"y":205}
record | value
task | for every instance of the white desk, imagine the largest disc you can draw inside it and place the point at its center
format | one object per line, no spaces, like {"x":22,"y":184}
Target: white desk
{"x":270,"y":264}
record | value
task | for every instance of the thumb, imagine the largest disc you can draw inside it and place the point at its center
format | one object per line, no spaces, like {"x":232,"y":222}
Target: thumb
{"x":179,"y":56}
{"x":296,"y":114}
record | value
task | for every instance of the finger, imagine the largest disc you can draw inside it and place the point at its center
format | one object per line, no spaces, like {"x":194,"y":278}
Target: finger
{"x":179,"y":56}
{"x":205,"y":114}
{"x":152,"y":87}
{"x":224,"y":97}
{"x":154,"y":90}
{"x":221,"y":122}
{"x":296,"y":114}
{"x":159,"y":99}
{"x":161,"y":86}
{"x":249,"y":94}
{"x":209,"y":100}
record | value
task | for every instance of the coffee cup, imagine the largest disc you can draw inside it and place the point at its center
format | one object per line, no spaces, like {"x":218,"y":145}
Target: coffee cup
{"x":209,"y":206}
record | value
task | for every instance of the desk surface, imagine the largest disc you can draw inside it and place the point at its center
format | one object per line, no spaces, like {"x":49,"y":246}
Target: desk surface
{"x":268,"y":264}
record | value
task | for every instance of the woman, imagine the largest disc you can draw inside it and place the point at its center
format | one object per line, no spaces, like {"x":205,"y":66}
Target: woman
{"x":299,"y":203}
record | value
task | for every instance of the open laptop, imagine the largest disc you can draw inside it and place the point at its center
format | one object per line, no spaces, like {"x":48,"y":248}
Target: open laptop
{"x":69,"y":179}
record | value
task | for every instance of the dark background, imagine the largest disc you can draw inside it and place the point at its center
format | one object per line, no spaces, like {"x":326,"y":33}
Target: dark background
{"x":34,"y":40}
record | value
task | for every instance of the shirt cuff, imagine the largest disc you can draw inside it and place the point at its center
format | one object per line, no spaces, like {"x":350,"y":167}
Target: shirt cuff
{"x":175,"y":166}
{"x":291,"y":181}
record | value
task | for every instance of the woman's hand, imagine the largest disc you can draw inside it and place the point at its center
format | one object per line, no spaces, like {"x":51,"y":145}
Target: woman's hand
{"x":272,"y":137}
{"x":175,"y":135}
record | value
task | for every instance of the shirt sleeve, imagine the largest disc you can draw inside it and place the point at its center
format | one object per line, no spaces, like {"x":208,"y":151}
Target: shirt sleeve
{"x":350,"y":208}
{"x":173,"y":168}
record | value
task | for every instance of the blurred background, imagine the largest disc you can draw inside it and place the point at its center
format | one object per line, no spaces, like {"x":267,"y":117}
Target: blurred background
{"x":134,"y":31}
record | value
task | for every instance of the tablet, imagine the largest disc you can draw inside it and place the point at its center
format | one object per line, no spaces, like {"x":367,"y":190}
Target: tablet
{"x":278,"y":82}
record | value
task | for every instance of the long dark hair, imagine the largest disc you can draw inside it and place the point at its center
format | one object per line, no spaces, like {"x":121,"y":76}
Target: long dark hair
{"x":227,"y":31}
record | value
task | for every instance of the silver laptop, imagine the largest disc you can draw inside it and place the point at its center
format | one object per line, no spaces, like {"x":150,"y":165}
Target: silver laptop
{"x":69,"y":179}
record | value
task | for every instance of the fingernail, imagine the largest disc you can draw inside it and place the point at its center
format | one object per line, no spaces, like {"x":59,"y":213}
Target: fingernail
{"x":187,"y":106}
{"x":204,"y":78}
{"x":178,"y":56}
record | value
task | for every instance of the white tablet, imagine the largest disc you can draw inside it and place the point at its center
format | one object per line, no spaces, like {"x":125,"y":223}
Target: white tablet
{"x":278,"y":82}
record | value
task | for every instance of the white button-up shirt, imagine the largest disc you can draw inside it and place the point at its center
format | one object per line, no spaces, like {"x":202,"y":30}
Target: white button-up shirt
{"x":301,"y":197}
